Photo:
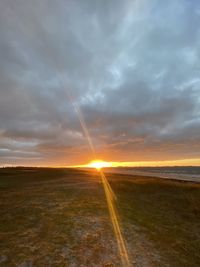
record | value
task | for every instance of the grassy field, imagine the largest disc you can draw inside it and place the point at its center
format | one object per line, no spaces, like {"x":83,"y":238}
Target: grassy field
{"x":59,"y":217}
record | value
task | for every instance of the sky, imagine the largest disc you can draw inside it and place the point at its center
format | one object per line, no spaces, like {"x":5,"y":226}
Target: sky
{"x":131,"y":67}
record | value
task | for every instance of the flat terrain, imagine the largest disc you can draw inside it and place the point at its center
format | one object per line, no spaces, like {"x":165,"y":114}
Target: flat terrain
{"x":59,"y":217}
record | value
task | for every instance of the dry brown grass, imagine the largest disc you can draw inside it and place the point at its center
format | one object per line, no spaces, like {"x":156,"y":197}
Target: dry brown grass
{"x":52,"y":217}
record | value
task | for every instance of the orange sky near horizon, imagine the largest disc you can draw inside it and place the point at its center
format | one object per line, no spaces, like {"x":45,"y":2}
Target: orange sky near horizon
{"x":110,"y":163}
{"x":185,"y":162}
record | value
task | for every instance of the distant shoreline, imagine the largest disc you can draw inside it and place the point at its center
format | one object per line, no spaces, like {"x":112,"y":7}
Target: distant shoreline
{"x":195,"y":178}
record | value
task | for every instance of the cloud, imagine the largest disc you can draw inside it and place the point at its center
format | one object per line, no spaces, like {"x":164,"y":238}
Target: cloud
{"x":131,"y":66}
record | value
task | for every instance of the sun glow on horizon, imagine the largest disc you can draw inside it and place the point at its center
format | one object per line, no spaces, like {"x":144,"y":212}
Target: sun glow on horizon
{"x":98,"y":164}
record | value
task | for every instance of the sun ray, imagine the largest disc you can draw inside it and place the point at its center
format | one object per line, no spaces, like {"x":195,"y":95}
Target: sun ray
{"x":110,"y":196}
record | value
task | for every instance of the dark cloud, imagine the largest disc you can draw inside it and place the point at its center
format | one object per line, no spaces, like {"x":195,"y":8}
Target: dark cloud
{"x":131,"y":66}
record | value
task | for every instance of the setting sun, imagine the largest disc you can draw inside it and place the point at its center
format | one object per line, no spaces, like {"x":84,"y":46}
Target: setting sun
{"x":98,"y":164}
